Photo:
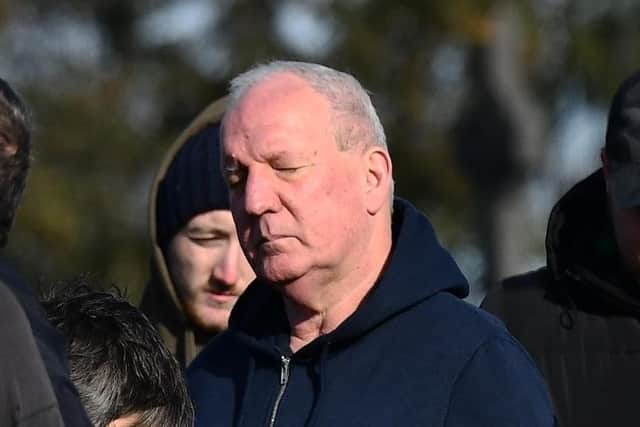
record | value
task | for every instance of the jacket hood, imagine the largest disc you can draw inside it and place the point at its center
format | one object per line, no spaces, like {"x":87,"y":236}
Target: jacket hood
{"x":417,"y":268}
{"x":160,"y":301}
{"x":581,"y":245}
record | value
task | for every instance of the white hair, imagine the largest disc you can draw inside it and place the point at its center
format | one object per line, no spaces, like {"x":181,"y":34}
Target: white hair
{"x":347,"y":97}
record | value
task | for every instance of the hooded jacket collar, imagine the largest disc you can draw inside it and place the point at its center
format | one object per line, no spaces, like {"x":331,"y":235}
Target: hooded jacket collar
{"x":418,"y":267}
{"x":160,"y":301}
{"x":581,"y":246}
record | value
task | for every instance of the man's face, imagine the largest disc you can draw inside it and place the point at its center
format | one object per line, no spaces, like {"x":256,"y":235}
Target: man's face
{"x":208,"y":268}
{"x":296,"y":198}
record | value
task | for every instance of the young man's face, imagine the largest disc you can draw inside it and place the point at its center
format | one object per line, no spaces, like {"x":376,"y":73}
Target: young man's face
{"x":208,"y":268}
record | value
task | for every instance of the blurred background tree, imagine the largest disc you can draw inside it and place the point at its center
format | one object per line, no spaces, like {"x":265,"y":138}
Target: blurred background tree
{"x":492,"y":110}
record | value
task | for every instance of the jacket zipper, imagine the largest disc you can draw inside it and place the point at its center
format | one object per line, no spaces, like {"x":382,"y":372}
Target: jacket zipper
{"x":284,"y":380}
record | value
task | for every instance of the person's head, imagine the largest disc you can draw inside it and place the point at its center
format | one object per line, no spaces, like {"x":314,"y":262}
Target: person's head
{"x":621,"y":165}
{"x":197,"y":234}
{"x":309,"y":174}
{"x":124,"y":374}
{"x":15,"y":155}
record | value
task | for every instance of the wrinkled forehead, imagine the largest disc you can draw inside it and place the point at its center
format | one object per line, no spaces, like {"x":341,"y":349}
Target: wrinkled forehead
{"x":280,"y":108}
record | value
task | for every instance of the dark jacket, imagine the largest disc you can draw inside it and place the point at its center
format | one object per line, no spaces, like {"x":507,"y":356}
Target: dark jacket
{"x":160,"y":301}
{"x":579,"y":316}
{"x":26,"y":396}
{"x":51,"y":345}
{"x":413,"y":354}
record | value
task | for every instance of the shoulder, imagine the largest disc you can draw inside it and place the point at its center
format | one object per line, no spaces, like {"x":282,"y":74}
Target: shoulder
{"x":25,"y":380}
{"x":527,"y":304}
{"x":222,"y":357}
{"x":12,"y":316}
{"x":534,"y":282}
{"x":461,"y":315}
{"x":496,"y":382}
{"x":9,"y":306}
{"x":456,"y":328}
{"x":500,"y":385}
{"x":18,"y":286}
{"x":50,"y":342}
{"x":481,"y":352}
{"x":520,"y":295}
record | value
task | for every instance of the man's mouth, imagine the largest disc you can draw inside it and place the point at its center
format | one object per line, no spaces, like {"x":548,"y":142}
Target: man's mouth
{"x":271,"y":245}
{"x":221,"y":297}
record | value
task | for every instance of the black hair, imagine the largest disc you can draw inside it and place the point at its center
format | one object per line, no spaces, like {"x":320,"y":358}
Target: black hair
{"x":15,"y":155}
{"x":117,"y":359}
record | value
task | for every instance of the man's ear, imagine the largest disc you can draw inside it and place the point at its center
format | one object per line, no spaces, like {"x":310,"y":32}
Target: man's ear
{"x":379,"y":175}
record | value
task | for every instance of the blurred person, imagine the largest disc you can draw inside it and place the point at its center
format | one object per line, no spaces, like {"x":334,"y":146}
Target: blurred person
{"x":356,"y":317}
{"x":26,"y":395}
{"x":125,"y":374}
{"x":198,"y":269}
{"x":578,"y":315}
{"x":15,"y":161}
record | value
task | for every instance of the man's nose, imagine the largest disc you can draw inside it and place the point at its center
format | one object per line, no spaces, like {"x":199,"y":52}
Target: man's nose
{"x":227,"y":271}
{"x":259,"y":196}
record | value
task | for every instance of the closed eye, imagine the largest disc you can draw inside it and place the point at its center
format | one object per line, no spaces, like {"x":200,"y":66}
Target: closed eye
{"x":208,"y":241}
{"x":288,"y":170}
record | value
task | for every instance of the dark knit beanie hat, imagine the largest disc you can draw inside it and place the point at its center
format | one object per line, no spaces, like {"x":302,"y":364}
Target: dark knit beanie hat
{"x":193,"y":184}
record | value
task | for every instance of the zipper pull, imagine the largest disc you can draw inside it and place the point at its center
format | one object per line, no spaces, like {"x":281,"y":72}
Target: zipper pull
{"x":284,"y":369}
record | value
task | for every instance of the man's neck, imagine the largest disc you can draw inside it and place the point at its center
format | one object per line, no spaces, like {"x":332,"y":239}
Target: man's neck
{"x":308,"y":323}
{"x":331,"y":305}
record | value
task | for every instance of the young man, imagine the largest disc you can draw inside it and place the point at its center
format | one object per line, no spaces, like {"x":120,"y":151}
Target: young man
{"x":355,"y":318}
{"x":125,"y":375}
{"x":198,"y":268}
{"x":578,"y":316}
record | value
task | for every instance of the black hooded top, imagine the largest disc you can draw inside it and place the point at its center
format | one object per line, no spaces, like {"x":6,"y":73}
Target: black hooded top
{"x":578,"y":316}
{"x":412,"y":354}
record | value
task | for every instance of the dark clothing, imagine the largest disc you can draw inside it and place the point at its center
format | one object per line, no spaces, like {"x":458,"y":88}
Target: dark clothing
{"x":160,"y":301}
{"x":578,"y":316}
{"x":51,"y":345}
{"x":413,"y":354}
{"x":26,"y":395}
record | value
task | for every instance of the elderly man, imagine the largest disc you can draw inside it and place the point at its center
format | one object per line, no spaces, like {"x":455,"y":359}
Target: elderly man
{"x":355,"y":317}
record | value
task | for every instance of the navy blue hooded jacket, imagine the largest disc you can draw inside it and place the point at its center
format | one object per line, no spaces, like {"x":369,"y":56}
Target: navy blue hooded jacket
{"x":413,"y":354}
